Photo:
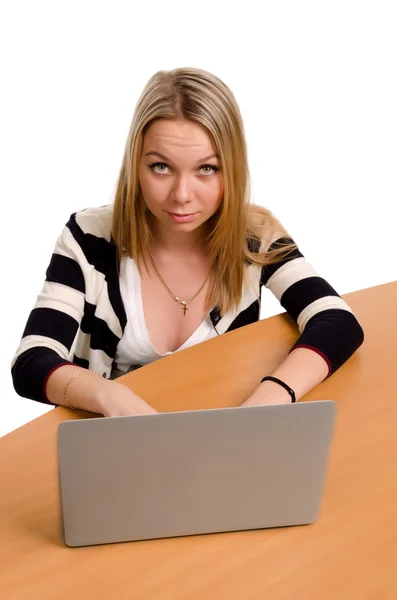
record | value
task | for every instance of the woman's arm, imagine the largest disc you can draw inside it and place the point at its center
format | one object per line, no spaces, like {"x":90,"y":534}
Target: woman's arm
{"x":302,"y":370}
{"x":49,"y":335}
{"x":330,"y":333}
{"x":42,"y":366}
{"x":72,"y":386}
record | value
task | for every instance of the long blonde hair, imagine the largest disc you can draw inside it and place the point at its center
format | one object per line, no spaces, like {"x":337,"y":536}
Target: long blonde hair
{"x":199,"y":96}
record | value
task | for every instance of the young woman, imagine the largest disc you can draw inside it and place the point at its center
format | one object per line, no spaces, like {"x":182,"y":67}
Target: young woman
{"x":178,"y":258}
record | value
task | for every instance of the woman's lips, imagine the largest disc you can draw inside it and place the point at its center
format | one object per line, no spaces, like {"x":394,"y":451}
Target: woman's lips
{"x":182,"y":218}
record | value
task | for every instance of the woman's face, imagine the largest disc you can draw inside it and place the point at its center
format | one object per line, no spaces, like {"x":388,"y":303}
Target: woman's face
{"x":180,"y":175}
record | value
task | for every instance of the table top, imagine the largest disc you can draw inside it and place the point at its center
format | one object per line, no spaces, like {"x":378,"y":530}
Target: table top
{"x":350,"y":552}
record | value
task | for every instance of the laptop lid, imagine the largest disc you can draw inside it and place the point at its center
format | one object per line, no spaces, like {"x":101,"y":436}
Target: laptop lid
{"x":194,"y":472}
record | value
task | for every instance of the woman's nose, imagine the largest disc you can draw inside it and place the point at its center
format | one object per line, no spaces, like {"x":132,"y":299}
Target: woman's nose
{"x":183,"y":190}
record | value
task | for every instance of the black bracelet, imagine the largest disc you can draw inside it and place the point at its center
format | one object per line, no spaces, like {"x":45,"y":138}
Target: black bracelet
{"x":284,"y":385}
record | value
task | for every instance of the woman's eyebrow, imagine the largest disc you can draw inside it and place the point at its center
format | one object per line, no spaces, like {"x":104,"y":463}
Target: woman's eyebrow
{"x":162,"y":156}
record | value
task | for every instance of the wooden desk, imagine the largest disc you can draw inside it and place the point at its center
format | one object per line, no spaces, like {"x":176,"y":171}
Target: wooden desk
{"x":349,"y":554}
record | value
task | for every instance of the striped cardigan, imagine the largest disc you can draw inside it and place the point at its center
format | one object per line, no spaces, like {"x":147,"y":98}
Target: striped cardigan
{"x":79,"y":317}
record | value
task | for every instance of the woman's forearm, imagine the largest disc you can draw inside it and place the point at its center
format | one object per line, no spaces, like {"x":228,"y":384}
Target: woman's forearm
{"x":302,"y":370}
{"x":89,"y":391}
{"x":83,"y":392}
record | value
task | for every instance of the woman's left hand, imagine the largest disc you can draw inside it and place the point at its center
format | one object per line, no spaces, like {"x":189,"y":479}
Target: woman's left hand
{"x":268,"y":392}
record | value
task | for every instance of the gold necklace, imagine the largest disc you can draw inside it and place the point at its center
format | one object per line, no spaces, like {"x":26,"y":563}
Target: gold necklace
{"x":183,"y":303}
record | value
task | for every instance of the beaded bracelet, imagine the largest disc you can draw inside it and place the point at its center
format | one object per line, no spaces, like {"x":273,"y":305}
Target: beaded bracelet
{"x":85,"y":372}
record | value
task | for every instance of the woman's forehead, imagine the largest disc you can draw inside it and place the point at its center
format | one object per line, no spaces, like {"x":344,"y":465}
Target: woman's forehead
{"x":171,"y":139}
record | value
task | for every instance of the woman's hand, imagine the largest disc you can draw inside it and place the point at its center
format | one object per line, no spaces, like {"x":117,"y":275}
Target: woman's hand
{"x":268,"y":392}
{"x":116,"y":400}
{"x":89,"y":391}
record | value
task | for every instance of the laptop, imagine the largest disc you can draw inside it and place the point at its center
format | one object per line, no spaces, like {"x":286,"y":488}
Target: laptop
{"x":196,"y":472}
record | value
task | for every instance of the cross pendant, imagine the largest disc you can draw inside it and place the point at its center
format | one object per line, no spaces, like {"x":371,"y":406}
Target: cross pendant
{"x":184,"y":308}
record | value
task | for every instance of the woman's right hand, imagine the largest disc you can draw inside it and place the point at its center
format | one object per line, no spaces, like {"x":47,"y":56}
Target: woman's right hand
{"x":116,"y":400}
{"x":89,"y":391}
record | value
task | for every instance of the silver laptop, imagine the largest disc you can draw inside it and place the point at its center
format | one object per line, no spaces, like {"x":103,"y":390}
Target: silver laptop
{"x":195,"y":472}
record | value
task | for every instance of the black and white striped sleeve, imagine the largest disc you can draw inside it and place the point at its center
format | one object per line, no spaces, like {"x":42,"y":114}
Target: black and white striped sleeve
{"x":325,"y":321}
{"x":52,"y":326}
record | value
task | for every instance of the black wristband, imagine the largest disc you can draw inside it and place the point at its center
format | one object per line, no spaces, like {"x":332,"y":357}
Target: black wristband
{"x":284,"y":385}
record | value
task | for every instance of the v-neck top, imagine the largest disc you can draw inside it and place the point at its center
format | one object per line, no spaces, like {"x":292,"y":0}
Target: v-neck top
{"x":79,"y":316}
{"x":135,"y":347}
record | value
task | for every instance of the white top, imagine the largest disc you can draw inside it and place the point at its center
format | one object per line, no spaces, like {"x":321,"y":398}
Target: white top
{"x":135,"y":347}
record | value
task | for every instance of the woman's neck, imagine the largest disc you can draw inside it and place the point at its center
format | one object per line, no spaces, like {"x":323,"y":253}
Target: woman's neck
{"x":170,"y":242}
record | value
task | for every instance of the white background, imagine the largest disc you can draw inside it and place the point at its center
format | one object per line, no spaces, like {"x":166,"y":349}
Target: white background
{"x":316,"y":84}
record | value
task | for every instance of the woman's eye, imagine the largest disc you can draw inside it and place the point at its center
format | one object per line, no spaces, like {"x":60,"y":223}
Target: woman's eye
{"x":212,"y":169}
{"x":159,"y":166}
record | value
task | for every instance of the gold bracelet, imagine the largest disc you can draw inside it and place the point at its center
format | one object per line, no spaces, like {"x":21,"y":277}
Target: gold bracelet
{"x":85,"y":372}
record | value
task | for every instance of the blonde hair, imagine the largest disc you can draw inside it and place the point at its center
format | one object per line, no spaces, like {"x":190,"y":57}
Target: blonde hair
{"x":199,"y":96}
